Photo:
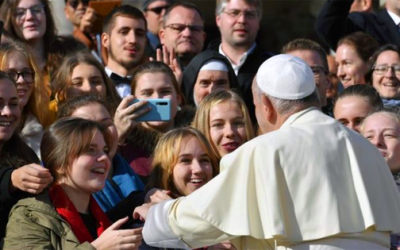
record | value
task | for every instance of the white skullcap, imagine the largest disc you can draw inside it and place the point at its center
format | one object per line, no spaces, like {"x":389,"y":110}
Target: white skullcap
{"x":214,"y":65}
{"x":286,"y":77}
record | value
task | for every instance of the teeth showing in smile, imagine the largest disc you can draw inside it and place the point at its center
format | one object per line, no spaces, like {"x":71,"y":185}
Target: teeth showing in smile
{"x":196,"y":181}
{"x":390,"y":84}
{"x":98,"y":170}
{"x":5,"y":124}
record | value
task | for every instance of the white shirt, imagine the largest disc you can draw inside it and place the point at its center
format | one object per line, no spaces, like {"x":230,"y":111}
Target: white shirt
{"x":123,"y":89}
{"x":236,"y":67}
{"x":395,"y":18}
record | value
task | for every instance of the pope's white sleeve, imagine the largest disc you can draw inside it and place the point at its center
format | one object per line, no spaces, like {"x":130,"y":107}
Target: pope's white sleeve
{"x":174,"y":224}
{"x":157,"y":232}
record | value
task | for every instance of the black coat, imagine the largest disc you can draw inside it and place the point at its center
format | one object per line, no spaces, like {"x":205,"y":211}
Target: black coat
{"x":15,"y":154}
{"x":334,"y":21}
{"x":192,"y":70}
{"x":246,"y":74}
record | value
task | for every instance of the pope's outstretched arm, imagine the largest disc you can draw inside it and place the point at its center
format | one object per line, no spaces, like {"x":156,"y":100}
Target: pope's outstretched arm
{"x":174,"y":224}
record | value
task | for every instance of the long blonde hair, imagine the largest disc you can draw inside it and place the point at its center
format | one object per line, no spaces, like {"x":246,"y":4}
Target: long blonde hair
{"x":202,"y":118}
{"x":166,"y":156}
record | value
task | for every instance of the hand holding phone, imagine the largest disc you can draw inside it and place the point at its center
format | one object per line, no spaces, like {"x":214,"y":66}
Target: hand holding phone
{"x":160,"y":110}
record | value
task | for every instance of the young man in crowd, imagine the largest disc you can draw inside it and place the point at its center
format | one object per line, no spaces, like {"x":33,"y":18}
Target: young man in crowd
{"x":124,"y":36}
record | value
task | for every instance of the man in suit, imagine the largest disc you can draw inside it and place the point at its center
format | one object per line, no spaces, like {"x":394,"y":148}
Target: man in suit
{"x":335,"y":21}
{"x":238,"y":22}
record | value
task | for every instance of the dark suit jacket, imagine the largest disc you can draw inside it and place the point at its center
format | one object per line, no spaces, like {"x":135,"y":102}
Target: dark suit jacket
{"x":246,"y":74}
{"x":335,"y":21}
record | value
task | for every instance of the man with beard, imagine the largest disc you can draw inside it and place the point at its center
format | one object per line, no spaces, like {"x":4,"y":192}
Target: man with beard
{"x":239,"y":21}
{"x":124,"y":36}
{"x":183,"y":31}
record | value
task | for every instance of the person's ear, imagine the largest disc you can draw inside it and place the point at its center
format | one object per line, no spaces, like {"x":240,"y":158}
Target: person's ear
{"x":105,"y":39}
{"x":268,"y":109}
{"x":161,"y":35}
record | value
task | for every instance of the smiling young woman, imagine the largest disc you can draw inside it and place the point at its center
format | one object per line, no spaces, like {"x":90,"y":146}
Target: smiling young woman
{"x":80,"y":168}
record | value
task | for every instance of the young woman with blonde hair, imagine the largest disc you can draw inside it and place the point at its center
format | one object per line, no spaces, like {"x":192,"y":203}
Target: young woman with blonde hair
{"x":223,"y":118}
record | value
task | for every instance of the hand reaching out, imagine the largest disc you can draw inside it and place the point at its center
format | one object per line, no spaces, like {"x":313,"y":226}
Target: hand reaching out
{"x":169,"y":58}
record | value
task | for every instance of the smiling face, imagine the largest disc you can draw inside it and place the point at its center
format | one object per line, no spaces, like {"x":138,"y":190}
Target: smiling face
{"x":86,"y":79}
{"x":193,"y":169}
{"x":227,"y":127}
{"x":158,"y":86}
{"x":126,"y":43}
{"x":387,"y":84}
{"x":351,"y":68}
{"x":384,"y":132}
{"x":97,"y":112}
{"x":88,"y":172}
{"x":18,"y":62}
{"x":238,"y":31}
{"x":9,"y":110}
{"x":30,"y":26}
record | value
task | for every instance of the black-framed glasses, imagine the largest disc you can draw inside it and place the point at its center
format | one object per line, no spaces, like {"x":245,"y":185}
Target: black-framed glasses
{"x":28,"y":76}
{"x":178,"y":27}
{"x":318,"y":70}
{"x":235,"y":14}
{"x":35,"y":10}
{"x":383,"y":68}
{"x":158,"y":10}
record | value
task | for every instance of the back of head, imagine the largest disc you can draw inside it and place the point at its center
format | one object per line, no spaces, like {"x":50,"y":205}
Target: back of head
{"x":124,"y":11}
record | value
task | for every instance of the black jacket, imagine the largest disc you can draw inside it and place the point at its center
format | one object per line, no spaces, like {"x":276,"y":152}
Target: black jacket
{"x":193,"y":68}
{"x":334,"y":21}
{"x":15,"y":154}
{"x":246,"y":74}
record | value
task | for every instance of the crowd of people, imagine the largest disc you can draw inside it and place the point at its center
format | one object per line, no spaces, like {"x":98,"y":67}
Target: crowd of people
{"x":292,"y":149}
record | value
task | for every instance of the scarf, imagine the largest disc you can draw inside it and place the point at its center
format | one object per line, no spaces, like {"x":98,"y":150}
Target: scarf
{"x":68,"y":212}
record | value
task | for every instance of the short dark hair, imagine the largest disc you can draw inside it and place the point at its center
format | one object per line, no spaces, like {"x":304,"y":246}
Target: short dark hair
{"x":185,"y":5}
{"x":307,"y":44}
{"x":364,"y":91}
{"x":125,"y":11}
{"x":374,"y":57}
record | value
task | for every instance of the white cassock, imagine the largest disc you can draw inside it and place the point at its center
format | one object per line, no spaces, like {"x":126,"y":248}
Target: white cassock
{"x":312,"y":184}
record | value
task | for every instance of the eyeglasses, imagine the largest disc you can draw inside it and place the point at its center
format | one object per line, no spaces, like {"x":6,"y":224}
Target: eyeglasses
{"x":158,"y":10}
{"x":318,"y":70}
{"x":35,"y":10}
{"x":235,"y":14}
{"x":178,"y":27}
{"x":28,"y":76}
{"x":382,"y":69}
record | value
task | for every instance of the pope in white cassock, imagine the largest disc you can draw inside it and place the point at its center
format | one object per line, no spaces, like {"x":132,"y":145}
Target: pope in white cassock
{"x":307,"y":183}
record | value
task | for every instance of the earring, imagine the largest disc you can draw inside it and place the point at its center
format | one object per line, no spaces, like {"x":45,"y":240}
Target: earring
{"x":179,"y":108}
